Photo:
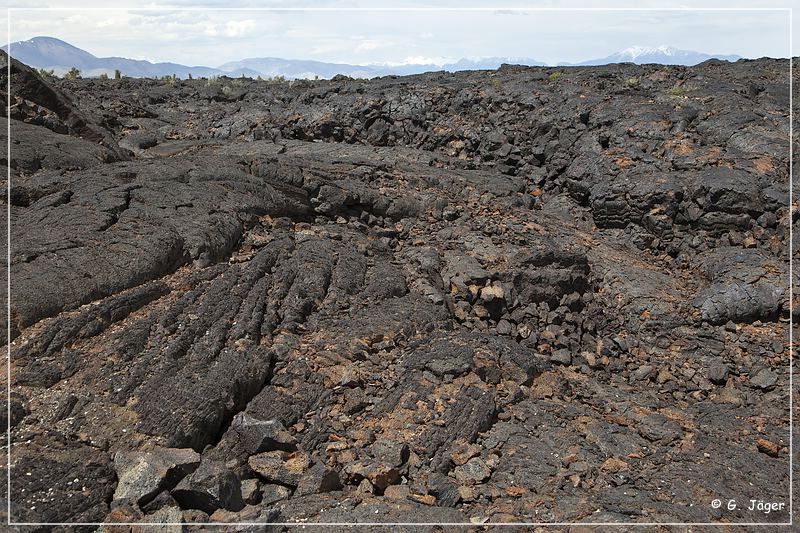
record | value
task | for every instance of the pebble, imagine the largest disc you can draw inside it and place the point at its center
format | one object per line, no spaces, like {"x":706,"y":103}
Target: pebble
{"x":768,"y":447}
{"x":717,"y":373}
{"x":643,"y":372}
{"x":472,"y":472}
{"x":503,"y":327}
{"x":763,"y":378}
{"x":562,"y":356}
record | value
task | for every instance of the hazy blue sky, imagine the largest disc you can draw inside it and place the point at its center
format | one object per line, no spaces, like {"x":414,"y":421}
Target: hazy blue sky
{"x":213,"y":37}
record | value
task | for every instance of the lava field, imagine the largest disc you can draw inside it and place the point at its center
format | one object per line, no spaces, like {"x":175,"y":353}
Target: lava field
{"x":522,"y":295}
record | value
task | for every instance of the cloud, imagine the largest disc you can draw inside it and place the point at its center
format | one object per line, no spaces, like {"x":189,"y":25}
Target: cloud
{"x":155,"y":13}
{"x":191,"y":36}
{"x":238,"y":28}
{"x":109,"y":22}
{"x":371,"y":44}
{"x":25,"y":3}
{"x":331,"y":47}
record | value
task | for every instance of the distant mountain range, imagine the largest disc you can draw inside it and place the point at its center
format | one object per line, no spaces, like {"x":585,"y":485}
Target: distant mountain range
{"x":298,"y":68}
{"x":54,"y":54}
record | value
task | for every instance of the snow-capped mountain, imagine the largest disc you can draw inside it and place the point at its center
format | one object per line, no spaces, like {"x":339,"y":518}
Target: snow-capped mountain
{"x":664,"y":55}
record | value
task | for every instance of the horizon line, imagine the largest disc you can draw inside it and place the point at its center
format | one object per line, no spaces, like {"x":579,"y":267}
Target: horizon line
{"x":446,"y":62}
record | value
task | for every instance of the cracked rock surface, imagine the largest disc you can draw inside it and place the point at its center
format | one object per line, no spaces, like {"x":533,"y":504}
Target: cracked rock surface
{"x":476,"y":297}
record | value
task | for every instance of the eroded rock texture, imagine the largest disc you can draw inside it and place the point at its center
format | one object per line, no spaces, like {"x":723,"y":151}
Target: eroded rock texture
{"x":486,"y":296}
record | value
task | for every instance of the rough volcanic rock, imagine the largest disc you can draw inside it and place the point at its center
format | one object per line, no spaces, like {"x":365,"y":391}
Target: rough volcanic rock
{"x":36,"y":102}
{"x":280,"y":467}
{"x":141,"y":476}
{"x":745,"y":286}
{"x":60,"y":479}
{"x":247,"y":436}
{"x":212,"y":486}
{"x":474,"y":297}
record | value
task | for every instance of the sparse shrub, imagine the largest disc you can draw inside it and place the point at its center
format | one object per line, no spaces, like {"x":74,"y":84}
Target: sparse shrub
{"x":190,"y":76}
{"x":259,"y":78}
{"x":103,"y":76}
{"x":497,"y":85}
{"x":117,"y":74}
{"x":682,"y":91}
{"x":632,"y":82}
{"x":72,"y":74}
{"x":555,"y":75}
{"x":46,"y":73}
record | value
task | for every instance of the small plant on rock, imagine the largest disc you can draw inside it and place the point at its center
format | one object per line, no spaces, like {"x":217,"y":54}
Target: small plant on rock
{"x":683,"y":90}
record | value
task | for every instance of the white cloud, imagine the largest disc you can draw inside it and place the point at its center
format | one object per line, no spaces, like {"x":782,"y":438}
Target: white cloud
{"x":371,"y":44}
{"x":109,"y":22}
{"x":192,"y":36}
{"x":238,"y":28}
